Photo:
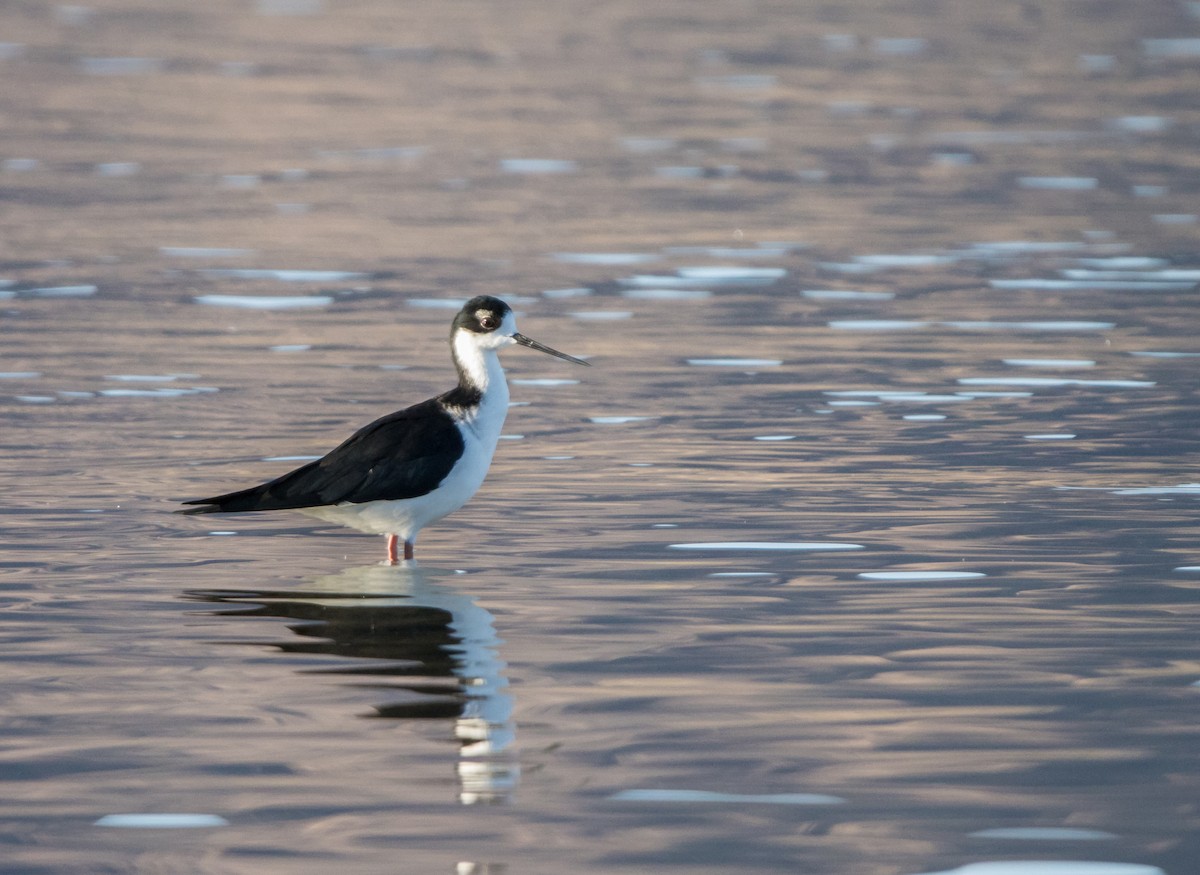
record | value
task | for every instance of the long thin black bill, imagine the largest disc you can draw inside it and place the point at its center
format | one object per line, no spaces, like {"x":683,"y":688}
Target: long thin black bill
{"x":533,"y":344}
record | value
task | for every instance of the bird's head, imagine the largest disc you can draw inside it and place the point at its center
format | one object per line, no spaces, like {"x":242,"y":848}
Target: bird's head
{"x":487,"y":323}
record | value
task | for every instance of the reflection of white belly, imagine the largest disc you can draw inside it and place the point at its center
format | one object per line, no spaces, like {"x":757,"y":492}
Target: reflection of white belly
{"x":406,"y":516}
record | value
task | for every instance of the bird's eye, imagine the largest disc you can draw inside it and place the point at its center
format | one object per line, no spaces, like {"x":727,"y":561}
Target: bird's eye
{"x":488,"y":323}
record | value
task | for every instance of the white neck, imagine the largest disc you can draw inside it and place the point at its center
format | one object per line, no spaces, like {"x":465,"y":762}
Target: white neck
{"x":478,"y":368}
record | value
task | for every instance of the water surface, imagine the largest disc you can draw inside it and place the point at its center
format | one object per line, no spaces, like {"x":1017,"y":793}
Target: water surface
{"x":868,"y":545}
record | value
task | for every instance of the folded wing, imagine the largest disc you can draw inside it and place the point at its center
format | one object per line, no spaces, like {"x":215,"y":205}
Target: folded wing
{"x":402,"y":455}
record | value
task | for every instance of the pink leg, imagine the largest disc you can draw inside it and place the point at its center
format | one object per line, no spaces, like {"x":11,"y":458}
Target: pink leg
{"x":392,"y":541}
{"x":410,"y":551}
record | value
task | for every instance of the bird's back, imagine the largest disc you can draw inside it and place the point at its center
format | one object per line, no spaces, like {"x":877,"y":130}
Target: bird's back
{"x":402,"y":455}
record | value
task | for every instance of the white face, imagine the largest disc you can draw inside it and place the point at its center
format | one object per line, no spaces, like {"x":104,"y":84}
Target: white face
{"x":501,"y":336}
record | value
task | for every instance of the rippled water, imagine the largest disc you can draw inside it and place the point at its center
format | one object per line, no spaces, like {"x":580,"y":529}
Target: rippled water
{"x":868,"y":545}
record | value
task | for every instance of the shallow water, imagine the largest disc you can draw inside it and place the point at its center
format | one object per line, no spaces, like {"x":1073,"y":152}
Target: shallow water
{"x":868,"y":544}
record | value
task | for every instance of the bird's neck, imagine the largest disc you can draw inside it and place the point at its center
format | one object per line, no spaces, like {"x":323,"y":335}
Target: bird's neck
{"x":480,"y":375}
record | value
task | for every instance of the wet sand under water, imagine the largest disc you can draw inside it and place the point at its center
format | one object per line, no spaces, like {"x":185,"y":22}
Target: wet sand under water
{"x":868,"y":545}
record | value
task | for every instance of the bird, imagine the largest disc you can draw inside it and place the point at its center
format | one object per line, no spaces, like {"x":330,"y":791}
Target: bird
{"x":410,"y":468}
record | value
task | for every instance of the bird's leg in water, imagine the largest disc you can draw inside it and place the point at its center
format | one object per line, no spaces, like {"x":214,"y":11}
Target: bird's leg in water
{"x":393,"y":544}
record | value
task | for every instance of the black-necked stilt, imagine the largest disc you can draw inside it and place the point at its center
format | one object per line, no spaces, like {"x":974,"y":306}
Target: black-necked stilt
{"x":415,"y":466}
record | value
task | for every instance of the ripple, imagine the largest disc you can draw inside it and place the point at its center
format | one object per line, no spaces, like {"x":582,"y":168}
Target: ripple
{"x":436,"y":303}
{"x":160,"y":392}
{"x":618,"y":420}
{"x":921,"y":575}
{"x":666,"y":294}
{"x":647,"y":145}
{"x":1049,"y":437}
{"x":285,"y":8}
{"x":117,"y":169}
{"x":1179,"y":275}
{"x":1043,"y":833}
{"x":690,"y":277}
{"x":121,"y":66}
{"x":761,"y":251}
{"x":240,"y":181}
{"x":81,"y":291}
{"x":846,"y":295}
{"x":161,"y":821}
{"x":149,"y":378}
{"x":287,"y":276}
{"x":924,"y":398}
{"x":906,"y":260}
{"x":775,"y":437}
{"x":1096,"y":64}
{"x":1125,"y":262}
{"x":601,"y":315}
{"x":1075,"y":285}
{"x":690,"y":796}
{"x":754,"y":275}
{"x":1021,"y":248}
{"x":19,"y":165}
{"x":900,"y":45}
{"x":1059,"y":183}
{"x":1050,"y":363}
{"x":734,"y":574}
{"x":606,"y":259}
{"x":898,"y":396}
{"x":810,"y":546}
{"x":1054,"y":381}
{"x":1181,"y":489}
{"x":574,"y":292}
{"x":260,"y":302}
{"x":877,"y":324}
{"x":924,"y":417}
{"x":1049,"y":325}
{"x":739,"y":81}
{"x":1172,"y":47}
{"x":736,"y":363}
{"x":203,"y":252}
{"x":538,"y":166}
{"x":404,"y":154}
{"x":1050,"y":867}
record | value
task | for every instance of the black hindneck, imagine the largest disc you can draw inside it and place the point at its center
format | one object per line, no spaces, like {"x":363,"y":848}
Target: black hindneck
{"x":462,"y":395}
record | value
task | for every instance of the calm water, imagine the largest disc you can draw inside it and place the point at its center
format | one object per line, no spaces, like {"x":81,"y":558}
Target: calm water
{"x":869,"y":545}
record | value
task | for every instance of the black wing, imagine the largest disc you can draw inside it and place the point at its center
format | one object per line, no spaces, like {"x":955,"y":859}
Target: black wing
{"x":403,"y":455}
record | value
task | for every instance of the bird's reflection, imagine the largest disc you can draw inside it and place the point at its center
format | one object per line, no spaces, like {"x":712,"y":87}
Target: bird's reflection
{"x":429,"y":645}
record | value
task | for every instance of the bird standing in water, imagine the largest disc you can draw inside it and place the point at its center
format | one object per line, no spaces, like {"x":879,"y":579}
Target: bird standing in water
{"x":413,"y":467}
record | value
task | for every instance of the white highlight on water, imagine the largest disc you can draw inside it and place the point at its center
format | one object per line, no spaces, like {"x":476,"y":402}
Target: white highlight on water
{"x":261,"y":302}
{"x":921,"y":575}
{"x":161,"y":821}
{"x":807,"y":546}
{"x":692,"y":796}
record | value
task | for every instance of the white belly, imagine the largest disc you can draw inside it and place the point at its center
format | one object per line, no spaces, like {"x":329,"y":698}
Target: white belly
{"x":406,"y":516}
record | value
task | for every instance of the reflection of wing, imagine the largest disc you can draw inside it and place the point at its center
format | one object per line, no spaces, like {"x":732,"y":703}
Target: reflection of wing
{"x":431,"y":646}
{"x":403,"y":455}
